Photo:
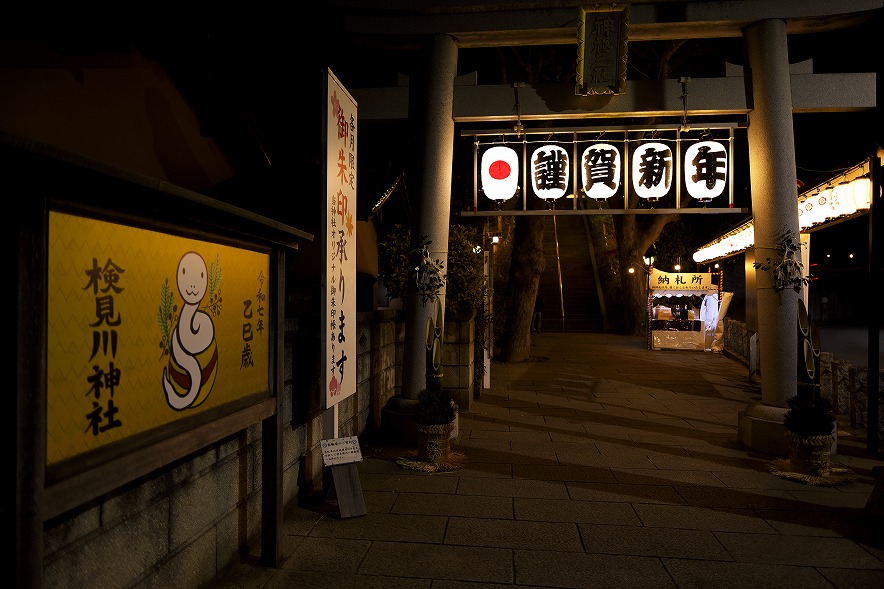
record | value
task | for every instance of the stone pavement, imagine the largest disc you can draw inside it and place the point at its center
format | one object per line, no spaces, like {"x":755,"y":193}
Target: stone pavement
{"x":599,"y":463}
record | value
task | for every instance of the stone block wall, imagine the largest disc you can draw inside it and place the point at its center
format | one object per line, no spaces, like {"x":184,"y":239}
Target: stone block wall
{"x":843,"y":382}
{"x":188,"y":523}
{"x":459,"y":359}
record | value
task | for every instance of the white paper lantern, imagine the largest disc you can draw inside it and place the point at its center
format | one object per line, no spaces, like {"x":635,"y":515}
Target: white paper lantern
{"x":862,"y":193}
{"x":602,"y":170}
{"x":652,"y":170}
{"x":842,"y":200}
{"x":500,"y":175}
{"x":705,"y":170}
{"x":550,"y":171}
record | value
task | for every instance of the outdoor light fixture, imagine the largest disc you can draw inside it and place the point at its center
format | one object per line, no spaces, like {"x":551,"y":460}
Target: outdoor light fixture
{"x":550,"y":171}
{"x":650,"y":256}
{"x":705,"y":170}
{"x":500,"y":173}
{"x":652,"y":170}
{"x":602,"y":170}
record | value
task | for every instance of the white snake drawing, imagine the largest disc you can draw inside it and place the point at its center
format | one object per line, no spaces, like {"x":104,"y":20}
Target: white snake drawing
{"x":194,"y":332}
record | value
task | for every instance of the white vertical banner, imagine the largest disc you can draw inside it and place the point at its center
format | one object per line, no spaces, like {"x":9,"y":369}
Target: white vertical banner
{"x":339,"y":250}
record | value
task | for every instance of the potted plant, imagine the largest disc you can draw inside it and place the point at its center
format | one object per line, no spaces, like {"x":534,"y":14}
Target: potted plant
{"x":436,"y":415}
{"x":811,"y":425}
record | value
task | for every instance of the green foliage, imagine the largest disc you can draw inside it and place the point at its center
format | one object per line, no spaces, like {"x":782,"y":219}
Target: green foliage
{"x":165,"y":317}
{"x":434,"y":407}
{"x":466,"y":288}
{"x":214,"y":283}
{"x":787,"y":268}
{"x":809,"y":416}
{"x":399,"y":262}
{"x":393,"y":266}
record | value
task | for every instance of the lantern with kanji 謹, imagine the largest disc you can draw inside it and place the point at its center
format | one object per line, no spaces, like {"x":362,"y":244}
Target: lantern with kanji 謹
{"x":550,"y":172}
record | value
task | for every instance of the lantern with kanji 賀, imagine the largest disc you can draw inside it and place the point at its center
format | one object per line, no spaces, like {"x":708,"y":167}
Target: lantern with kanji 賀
{"x":602,"y":169}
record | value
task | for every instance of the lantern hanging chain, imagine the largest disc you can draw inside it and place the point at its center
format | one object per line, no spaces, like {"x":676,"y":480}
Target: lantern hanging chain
{"x":684,"y":100}
{"x":518,"y":128}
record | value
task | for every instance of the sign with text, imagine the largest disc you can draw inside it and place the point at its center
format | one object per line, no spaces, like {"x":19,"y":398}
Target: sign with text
{"x":339,"y":249}
{"x":340,"y":451}
{"x":602,"y":36}
{"x":139,"y":334}
{"x":682,"y":281}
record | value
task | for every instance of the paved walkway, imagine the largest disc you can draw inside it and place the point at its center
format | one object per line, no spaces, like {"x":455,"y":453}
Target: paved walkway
{"x":598,"y":464}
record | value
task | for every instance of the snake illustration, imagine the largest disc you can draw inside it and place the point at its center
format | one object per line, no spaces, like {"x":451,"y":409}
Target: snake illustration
{"x":194,"y":359}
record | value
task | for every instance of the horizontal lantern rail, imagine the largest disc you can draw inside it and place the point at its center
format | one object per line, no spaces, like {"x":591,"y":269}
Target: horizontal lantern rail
{"x":676,"y":135}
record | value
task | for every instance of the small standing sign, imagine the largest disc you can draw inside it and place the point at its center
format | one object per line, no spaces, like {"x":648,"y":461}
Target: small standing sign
{"x":341,"y":455}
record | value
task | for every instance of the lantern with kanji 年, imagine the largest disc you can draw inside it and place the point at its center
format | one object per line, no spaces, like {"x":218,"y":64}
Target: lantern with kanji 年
{"x":550,"y":172}
{"x":602,"y":170}
{"x":500,"y":175}
{"x":705,"y":170}
{"x":652,"y":170}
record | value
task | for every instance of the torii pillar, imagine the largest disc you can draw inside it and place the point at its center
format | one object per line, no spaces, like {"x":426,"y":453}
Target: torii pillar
{"x":774,"y":210}
{"x":434,"y":205}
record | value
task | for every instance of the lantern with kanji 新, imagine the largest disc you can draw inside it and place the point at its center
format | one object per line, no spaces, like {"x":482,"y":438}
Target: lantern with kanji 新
{"x":652,"y":170}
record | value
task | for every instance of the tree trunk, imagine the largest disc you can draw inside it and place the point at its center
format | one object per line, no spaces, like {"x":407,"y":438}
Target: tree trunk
{"x":634,"y":237}
{"x":527,"y":265}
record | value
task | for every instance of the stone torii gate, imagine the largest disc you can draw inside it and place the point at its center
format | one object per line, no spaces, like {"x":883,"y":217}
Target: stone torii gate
{"x":768,"y":93}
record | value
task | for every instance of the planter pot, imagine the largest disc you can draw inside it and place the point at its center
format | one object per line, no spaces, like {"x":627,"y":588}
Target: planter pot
{"x":810,"y":455}
{"x":434,"y":442}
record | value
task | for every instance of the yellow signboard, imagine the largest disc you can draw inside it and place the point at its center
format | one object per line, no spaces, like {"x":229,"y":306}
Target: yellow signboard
{"x":145,"y":328}
{"x":682,"y":281}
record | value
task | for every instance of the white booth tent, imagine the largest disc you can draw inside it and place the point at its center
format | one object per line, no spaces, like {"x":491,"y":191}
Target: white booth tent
{"x":695,"y":328}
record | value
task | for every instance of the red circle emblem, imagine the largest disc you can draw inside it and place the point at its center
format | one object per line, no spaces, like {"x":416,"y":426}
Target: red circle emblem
{"x":499,"y":170}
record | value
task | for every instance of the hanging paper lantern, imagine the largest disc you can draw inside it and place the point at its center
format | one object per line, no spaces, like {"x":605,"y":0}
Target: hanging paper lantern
{"x":842,"y":200}
{"x":823,"y":206}
{"x":550,"y":171}
{"x":810,"y":212}
{"x":652,"y":170}
{"x":705,"y":170}
{"x":500,"y":176}
{"x":602,"y":170}
{"x":862,"y":193}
